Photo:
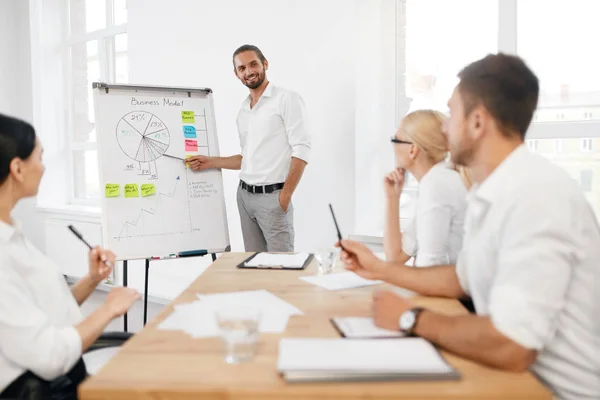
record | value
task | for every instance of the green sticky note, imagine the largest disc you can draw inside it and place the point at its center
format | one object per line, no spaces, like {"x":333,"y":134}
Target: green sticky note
{"x":131,"y":190}
{"x":112,"y":190}
{"x":148,"y":189}
{"x":188,"y":117}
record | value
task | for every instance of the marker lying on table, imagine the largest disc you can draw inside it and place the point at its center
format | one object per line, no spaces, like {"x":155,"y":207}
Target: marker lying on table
{"x":76,"y":233}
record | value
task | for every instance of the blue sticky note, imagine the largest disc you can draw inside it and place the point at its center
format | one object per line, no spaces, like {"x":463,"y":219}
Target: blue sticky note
{"x":189,"y":131}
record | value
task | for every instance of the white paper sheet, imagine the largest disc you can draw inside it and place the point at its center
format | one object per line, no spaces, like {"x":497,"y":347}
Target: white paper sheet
{"x":198,"y":318}
{"x":343,"y":280}
{"x":278,"y":260}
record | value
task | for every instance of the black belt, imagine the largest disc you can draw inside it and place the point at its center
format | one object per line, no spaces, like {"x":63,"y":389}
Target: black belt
{"x":261,"y":189}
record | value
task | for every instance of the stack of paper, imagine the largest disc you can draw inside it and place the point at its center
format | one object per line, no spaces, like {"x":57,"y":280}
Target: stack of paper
{"x":309,"y":360}
{"x":198,"y":318}
{"x":340,"y":281}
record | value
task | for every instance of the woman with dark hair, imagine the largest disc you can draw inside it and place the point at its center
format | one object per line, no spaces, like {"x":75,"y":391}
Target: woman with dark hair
{"x":42,"y":330}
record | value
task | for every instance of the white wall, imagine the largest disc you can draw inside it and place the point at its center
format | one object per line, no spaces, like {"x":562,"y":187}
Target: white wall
{"x":16,"y":93}
{"x":338,"y":54}
{"x":310,"y":45}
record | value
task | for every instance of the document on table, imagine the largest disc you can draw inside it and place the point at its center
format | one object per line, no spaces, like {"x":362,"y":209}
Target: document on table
{"x":339,"y":281}
{"x":198,"y":318}
{"x":361,"y":359}
{"x":278,"y":260}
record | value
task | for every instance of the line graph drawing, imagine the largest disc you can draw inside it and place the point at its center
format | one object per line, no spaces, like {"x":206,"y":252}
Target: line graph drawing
{"x":154,"y":219}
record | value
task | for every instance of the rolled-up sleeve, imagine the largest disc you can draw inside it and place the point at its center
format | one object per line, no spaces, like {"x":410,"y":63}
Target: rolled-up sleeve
{"x":536,"y":262}
{"x":296,"y":126}
{"x":28,"y":339}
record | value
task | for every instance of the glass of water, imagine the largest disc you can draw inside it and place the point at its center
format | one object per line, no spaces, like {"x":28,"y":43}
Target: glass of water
{"x":239,"y":333}
{"x":325,"y":259}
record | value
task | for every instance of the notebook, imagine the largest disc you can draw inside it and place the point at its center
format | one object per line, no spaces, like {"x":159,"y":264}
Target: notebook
{"x":362,"y":327}
{"x":294,"y":261}
{"x":313,"y":360}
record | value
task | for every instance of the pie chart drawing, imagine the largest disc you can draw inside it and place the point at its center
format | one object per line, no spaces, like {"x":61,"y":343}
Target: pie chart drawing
{"x":142,"y":136}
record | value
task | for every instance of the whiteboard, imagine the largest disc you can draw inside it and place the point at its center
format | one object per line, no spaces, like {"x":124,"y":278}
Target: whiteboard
{"x":154,"y":205}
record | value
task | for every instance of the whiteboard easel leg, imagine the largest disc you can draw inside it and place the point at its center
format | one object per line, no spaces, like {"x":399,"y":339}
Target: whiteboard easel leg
{"x":125,"y":285}
{"x":146,"y":291}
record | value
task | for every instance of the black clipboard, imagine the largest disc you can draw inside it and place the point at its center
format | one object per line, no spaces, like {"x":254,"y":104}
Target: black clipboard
{"x":306,"y":263}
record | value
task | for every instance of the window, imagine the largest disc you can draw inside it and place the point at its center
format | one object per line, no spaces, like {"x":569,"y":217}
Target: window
{"x":435,"y":39}
{"x":586,"y":145}
{"x":97,"y":51}
{"x":559,"y":50}
{"x":532,"y":145}
{"x":74,"y":43}
{"x":440,"y":42}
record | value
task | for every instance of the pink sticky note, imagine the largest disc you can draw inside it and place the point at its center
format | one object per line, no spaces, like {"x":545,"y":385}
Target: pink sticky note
{"x":191,"y":145}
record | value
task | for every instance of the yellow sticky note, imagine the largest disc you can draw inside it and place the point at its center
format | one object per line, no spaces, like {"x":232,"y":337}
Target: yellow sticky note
{"x":187,"y":117}
{"x":131,"y":190}
{"x":112,"y":190}
{"x":148,"y":189}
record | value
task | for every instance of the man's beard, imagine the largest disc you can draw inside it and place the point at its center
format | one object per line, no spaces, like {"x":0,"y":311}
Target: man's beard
{"x":259,"y":81}
{"x":463,"y":154}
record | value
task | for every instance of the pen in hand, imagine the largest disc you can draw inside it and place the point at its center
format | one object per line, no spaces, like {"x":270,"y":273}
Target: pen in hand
{"x":76,"y":233}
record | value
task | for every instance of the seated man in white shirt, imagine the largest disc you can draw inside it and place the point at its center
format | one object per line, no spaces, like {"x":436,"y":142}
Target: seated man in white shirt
{"x":42,"y":330}
{"x":531,"y":253}
{"x":275,"y":149}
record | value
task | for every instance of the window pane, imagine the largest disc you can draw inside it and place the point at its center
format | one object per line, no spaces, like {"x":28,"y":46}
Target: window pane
{"x":85,"y":174}
{"x":120,"y":7}
{"x":92,"y":48}
{"x":580,"y":157}
{"x":122,"y":69}
{"x":121,"y":43}
{"x":85,"y":70}
{"x":87,"y":15}
{"x":440,"y":41}
{"x":557,"y":39}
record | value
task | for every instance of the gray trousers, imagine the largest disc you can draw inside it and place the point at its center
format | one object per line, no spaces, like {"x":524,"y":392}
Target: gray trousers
{"x":265,"y":226}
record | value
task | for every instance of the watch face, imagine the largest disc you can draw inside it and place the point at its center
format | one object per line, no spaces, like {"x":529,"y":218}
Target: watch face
{"x":407,"y":320}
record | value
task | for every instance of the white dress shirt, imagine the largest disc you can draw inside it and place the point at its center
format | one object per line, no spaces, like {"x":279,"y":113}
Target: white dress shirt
{"x":271,"y":133}
{"x":531,"y":261}
{"x":37,"y":312}
{"x":434,"y":236}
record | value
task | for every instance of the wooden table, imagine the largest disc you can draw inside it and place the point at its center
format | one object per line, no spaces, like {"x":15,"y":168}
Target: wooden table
{"x":171,"y":365}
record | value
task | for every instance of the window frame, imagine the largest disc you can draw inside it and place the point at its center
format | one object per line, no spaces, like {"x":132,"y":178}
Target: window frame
{"x":106,"y":56}
{"x":507,"y":43}
{"x":54,"y":96}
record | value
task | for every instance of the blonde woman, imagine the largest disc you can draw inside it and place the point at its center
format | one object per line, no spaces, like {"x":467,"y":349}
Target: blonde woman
{"x":435,"y":235}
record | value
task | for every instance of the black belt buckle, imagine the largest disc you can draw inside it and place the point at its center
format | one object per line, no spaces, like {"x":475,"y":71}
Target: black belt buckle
{"x":261,"y":189}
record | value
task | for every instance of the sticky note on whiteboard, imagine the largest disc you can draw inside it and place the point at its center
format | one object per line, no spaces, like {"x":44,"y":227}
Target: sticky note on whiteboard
{"x":112,"y":190}
{"x":187,"y":117}
{"x":191,"y":145}
{"x":148,"y":189}
{"x":189,"y":131}
{"x":131,"y":190}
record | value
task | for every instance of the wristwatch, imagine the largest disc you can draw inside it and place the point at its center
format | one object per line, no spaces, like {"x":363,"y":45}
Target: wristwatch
{"x":408,"y":320}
